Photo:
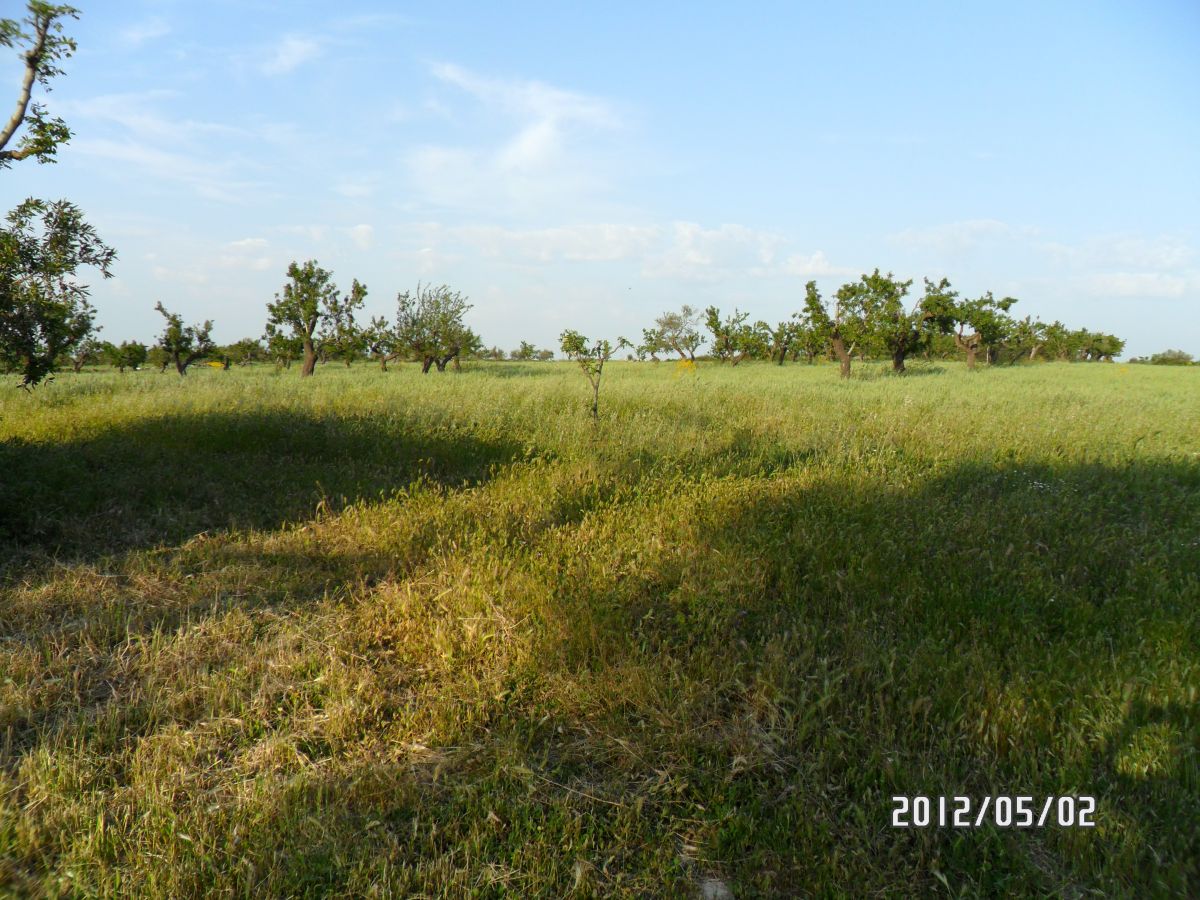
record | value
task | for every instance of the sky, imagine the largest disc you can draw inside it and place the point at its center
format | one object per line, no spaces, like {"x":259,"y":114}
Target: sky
{"x":590,"y":166}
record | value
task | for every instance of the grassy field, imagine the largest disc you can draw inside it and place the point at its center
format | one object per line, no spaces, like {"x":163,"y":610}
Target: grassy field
{"x":393,"y":635}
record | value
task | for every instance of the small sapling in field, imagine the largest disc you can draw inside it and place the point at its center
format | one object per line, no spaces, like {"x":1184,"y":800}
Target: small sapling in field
{"x":591,"y":358}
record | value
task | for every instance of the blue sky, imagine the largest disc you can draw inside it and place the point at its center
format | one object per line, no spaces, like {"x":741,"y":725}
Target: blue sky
{"x":591,"y":166}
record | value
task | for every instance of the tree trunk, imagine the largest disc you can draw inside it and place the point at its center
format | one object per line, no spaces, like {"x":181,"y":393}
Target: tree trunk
{"x":426,"y":365}
{"x":843,"y":355}
{"x":382,"y":363}
{"x":310,"y":359}
{"x":971,"y":351}
{"x":180,"y":366}
{"x":898,"y":361}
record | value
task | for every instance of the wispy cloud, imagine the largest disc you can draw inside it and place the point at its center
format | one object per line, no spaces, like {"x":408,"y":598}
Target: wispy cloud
{"x":679,"y":250}
{"x":958,"y":237}
{"x":291,"y":52}
{"x":541,"y":155}
{"x":363,"y":236}
{"x":142,"y":32}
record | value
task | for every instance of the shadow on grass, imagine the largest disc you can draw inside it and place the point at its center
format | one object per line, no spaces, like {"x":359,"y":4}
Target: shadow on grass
{"x":165,"y":480}
{"x":990,"y":630}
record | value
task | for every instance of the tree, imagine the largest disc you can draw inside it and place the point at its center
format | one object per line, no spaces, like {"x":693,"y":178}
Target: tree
{"x":680,"y":331}
{"x":44,"y":309}
{"x":311,"y":317}
{"x":184,"y":344}
{"x":841,"y":331}
{"x":591,"y":358}
{"x":1171,"y":358}
{"x":89,"y":350}
{"x":982,"y":322}
{"x":342,"y":338}
{"x":888,"y":323}
{"x":244,"y":352}
{"x":733,"y":340}
{"x":380,"y":342}
{"x":43,"y":47}
{"x":523,"y":353}
{"x":430,"y":324}
{"x":652,"y":344}
{"x":129,"y":355}
{"x":545,"y":355}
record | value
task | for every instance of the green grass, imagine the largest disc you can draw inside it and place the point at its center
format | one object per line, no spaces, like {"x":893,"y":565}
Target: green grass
{"x":393,"y":635}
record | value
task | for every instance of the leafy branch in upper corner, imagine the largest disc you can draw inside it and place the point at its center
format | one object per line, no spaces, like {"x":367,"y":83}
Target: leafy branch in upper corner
{"x":591,"y":358}
{"x":46,"y":46}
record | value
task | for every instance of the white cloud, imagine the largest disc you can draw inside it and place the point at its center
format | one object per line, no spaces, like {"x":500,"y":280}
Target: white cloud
{"x":315,"y":233}
{"x":1140,"y":284}
{"x":248,"y":244}
{"x":529,"y":99}
{"x":679,"y":250}
{"x":211,"y":180}
{"x":958,"y":237}
{"x":246,"y":254}
{"x":542,"y":156}
{"x":362,"y":235}
{"x":814,"y":265}
{"x":141,"y":32}
{"x":291,"y":52}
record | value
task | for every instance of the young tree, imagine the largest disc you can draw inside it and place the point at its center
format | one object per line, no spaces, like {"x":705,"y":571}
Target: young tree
{"x":680,"y":331}
{"x":44,"y":309}
{"x":523,"y":353}
{"x":41,"y":47}
{"x":184,"y":344}
{"x":430,"y":324}
{"x":591,"y":358}
{"x":982,"y":323}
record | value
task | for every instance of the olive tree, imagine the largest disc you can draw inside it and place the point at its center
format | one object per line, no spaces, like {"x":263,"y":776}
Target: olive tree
{"x":44,"y":309}
{"x":982,"y":322}
{"x":312,"y":317}
{"x":429,"y":323}
{"x":680,"y":331}
{"x":184,"y":344}
{"x":127,"y":355}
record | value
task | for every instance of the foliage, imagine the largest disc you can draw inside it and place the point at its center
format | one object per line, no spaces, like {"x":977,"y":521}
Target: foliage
{"x":678,"y":331}
{"x":733,"y":339}
{"x":591,"y":357}
{"x":42,"y":47}
{"x":429,"y":324}
{"x":311,"y":317}
{"x":128,"y":355}
{"x":982,"y":323}
{"x":44,"y":308}
{"x":1168,"y":358}
{"x":184,"y":344}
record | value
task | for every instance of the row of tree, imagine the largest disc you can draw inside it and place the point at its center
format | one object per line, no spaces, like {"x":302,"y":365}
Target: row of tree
{"x":873,"y":318}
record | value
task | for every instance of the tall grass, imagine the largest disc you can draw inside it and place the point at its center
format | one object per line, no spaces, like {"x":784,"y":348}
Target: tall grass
{"x":441,"y":635}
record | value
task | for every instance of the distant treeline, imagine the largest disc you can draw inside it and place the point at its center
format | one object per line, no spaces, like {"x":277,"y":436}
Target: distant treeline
{"x":311,"y":322}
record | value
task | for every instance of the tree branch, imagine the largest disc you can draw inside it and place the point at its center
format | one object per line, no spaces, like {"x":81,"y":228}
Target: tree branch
{"x":33,"y":60}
